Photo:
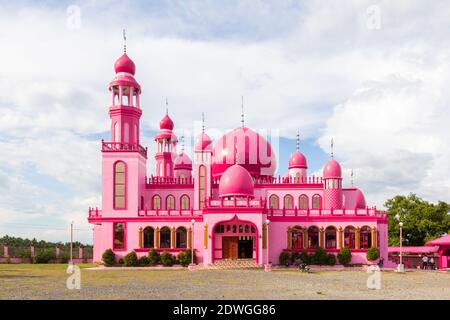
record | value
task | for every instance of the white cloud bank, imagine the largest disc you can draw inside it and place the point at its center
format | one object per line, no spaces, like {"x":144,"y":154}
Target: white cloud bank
{"x":382,"y":94}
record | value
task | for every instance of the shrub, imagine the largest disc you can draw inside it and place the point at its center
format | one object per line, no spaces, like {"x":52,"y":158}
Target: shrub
{"x":144,"y":261}
{"x":154,"y":257}
{"x":44,"y":256}
{"x":64,"y":257}
{"x":331,"y":259}
{"x":319,"y":257}
{"x":285,"y":258}
{"x":121,"y":262}
{"x":109,"y":257}
{"x":295,"y":256}
{"x":167,"y":259}
{"x":305,"y":257}
{"x":131,"y":259}
{"x":23,"y":253}
{"x":184,"y":258}
{"x":344,"y":256}
{"x":372,"y":254}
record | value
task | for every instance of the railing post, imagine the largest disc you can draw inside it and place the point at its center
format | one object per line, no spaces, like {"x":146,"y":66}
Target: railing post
{"x":32,"y":251}
{"x":57,"y":251}
{"x":5,"y":251}
{"x":80,"y":252}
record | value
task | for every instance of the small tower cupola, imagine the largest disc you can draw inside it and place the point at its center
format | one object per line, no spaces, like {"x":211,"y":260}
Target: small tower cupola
{"x":332,"y":178}
{"x":297,"y":164}
{"x":166,"y":142}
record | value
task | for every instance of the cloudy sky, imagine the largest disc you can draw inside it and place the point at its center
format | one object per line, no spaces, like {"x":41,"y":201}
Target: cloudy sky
{"x":374,"y":75}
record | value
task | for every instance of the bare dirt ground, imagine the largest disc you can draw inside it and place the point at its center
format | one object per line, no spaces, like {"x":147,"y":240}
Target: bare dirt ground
{"x":49,"y":282}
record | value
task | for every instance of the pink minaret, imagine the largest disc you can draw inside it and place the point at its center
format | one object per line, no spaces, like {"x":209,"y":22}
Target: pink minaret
{"x":166,"y":143}
{"x":202,"y":168}
{"x":123,"y":158}
{"x":125,"y":109}
{"x":332,"y":176}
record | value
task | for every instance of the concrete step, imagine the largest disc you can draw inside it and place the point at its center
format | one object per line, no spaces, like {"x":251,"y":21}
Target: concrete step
{"x":235,"y":264}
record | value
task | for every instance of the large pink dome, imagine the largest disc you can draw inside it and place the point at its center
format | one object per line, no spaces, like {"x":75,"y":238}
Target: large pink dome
{"x":332,"y":169}
{"x":236,"y":181}
{"x":360,"y":200}
{"x":203,"y":142}
{"x":247,"y":148}
{"x":125,"y":64}
{"x":182,"y":161}
{"x":297,"y":160}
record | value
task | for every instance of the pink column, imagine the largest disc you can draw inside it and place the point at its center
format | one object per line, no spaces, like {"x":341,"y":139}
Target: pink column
{"x":5,"y":251}
{"x":58,"y":251}
{"x":80,"y":252}
{"x":32,"y":250}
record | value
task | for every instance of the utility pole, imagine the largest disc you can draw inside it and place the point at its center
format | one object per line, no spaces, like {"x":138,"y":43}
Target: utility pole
{"x":71,"y":242}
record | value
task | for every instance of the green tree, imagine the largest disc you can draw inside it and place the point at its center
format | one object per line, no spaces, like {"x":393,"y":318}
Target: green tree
{"x":422,"y":220}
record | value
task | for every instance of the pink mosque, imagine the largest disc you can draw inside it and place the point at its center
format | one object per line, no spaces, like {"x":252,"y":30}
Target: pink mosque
{"x":226,"y":203}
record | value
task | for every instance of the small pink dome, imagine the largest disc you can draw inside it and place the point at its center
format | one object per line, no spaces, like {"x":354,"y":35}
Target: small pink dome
{"x":125,"y":64}
{"x":203,"y":142}
{"x":360,"y":200}
{"x":182,"y":161}
{"x":236,"y":181}
{"x":166,"y":123}
{"x":332,"y":169}
{"x":297,"y":160}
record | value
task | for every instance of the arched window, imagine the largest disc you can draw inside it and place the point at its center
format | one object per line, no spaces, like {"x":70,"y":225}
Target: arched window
{"x":316,"y":201}
{"x":288,"y":202}
{"x":156,"y":203}
{"x":164,"y":236}
{"x":142,"y":202}
{"x":297,"y":237}
{"x":297,"y":176}
{"x":119,"y":185}
{"x":116,"y":132}
{"x":184,"y":202}
{"x":241,"y":229}
{"x":303,"y":201}
{"x":365,"y":236}
{"x":182,"y":178}
{"x":170,"y":202}
{"x":126,"y":132}
{"x":119,"y":236}
{"x":273,"y":202}
{"x":330,"y":237}
{"x":202,"y":186}
{"x":247,"y":228}
{"x":234,"y":228}
{"x":349,"y":237}
{"x":181,"y":237}
{"x":149,"y":237}
{"x":313,"y":237}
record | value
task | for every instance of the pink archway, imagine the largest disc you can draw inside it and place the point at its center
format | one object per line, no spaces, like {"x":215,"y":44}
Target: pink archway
{"x":237,"y":220}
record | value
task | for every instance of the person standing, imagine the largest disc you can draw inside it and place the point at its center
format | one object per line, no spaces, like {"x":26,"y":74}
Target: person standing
{"x":424,"y":262}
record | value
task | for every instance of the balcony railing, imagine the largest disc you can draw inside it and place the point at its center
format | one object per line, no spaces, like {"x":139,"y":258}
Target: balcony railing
{"x":367,"y":212}
{"x":169,"y":180}
{"x":264,"y":181}
{"x":123,"y":147}
{"x":95,"y":213}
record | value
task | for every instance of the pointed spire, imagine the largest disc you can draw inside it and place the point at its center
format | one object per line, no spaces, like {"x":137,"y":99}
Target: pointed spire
{"x":167,"y":106}
{"x":332,"y":154}
{"x":297,"y":147}
{"x":242,"y":114}
{"x":124,"y":41}
{"x":203,"y":122}
{"x":182,"y":144}
{"x":351,"y":175}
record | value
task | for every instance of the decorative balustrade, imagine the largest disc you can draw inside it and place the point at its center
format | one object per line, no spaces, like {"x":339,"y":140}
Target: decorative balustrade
{"x":123,"y":147}
{"x":94,"y":213}
{"x":168,"y":213}
{"x":261,"y":181}
{"x":169,"y":180}
{"x":367,"y":212}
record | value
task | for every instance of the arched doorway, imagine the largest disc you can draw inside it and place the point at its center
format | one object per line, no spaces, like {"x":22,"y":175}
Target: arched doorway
{"x":235,"y":239}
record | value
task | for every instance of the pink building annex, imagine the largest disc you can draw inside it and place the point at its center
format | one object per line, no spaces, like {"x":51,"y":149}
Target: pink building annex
{"x":227,"y":203}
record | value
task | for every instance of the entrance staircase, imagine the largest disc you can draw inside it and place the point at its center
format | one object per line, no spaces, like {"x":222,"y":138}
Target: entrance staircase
{"x":235,"y":264}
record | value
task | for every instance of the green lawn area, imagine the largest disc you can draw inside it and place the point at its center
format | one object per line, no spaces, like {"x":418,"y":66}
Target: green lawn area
{"x":27,"y":281}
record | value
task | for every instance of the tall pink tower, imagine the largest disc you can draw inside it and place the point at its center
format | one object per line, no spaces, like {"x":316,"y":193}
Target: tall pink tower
{"x":123,"y":158}
{"x":332,"y":176}
{"x":166,"y":142}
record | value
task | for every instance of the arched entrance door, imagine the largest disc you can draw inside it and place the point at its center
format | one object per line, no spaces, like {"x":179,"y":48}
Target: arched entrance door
{"x":237,"y":240}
